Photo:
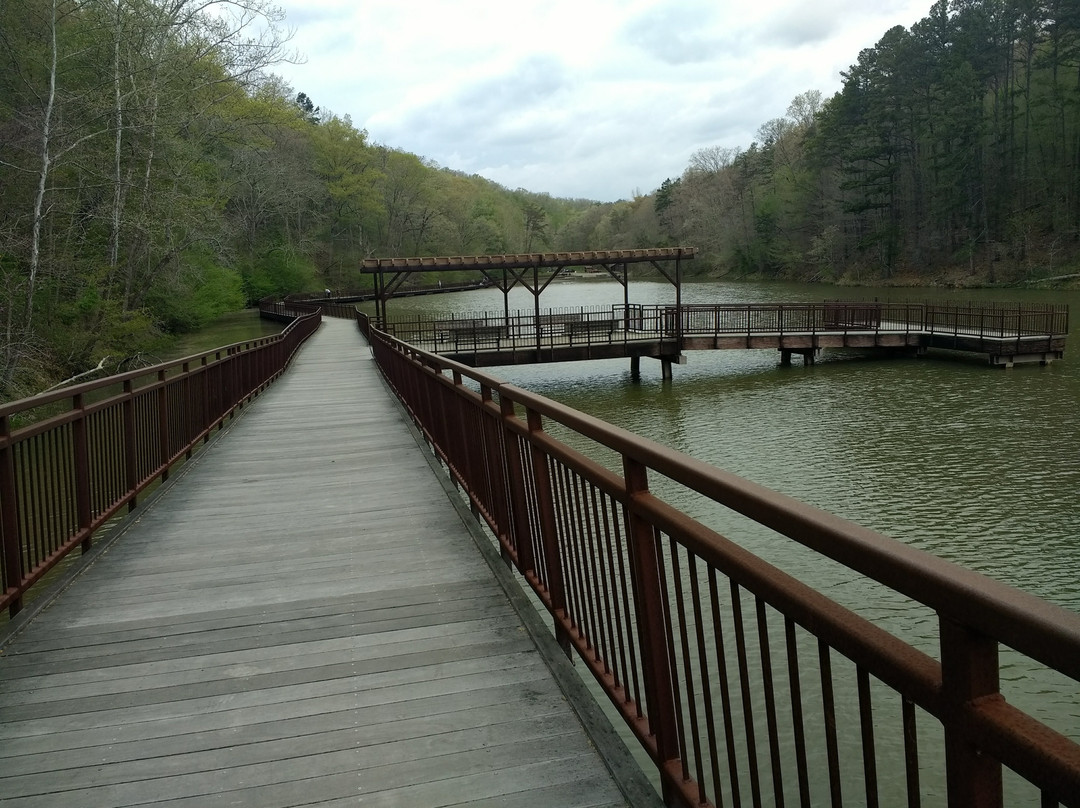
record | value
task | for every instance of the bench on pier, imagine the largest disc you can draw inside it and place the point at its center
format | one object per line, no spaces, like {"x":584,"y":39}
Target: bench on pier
{"x":554,"y":324}
{"x":477,"y":333}
{"x":591,"y":328}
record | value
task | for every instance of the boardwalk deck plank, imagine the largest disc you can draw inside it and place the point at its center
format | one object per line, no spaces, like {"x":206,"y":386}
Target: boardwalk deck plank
{"x":300,"y":619}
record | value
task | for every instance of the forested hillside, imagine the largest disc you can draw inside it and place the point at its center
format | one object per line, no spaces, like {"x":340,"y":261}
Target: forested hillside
{"x":154,"y":173}
{"x":952,"y":149}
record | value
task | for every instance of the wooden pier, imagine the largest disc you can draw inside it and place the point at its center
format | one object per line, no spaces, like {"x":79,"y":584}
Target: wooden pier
{"x":1004,"y":335}
{"x":299,"y":617}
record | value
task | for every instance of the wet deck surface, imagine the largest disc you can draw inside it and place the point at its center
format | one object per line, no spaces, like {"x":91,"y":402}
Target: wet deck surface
{"x":301,"y":618}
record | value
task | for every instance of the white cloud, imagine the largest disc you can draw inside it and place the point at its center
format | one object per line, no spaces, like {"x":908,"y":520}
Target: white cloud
{"x":578,"y":98}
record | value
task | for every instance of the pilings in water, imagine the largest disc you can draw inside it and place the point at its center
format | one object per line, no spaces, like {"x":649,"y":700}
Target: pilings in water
{"x":665,"y":365}
{"x":808,"y":355}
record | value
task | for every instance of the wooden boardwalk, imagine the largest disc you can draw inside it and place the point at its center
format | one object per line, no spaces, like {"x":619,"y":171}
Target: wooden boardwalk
{"x":300,"y":617}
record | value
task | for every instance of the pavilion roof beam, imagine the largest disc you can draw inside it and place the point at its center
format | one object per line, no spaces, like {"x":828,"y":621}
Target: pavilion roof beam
{"x":519,"y":277}
{"x":550,"y":278}
{"x":621,"y":280}
{"x":526,"y":261}
{"x":499,"y":282}
{"x":394,"y":284}
{"x":664,"y":272}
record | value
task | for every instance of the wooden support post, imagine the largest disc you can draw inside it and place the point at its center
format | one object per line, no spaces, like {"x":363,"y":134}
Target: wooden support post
{"x":635,"y":367}
{"x":649,"y":602}
{"x":969,"y":672}
{"x":785,"y":358}
{"x":665,"y":369}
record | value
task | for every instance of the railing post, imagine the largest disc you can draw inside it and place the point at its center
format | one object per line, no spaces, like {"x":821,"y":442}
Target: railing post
{"x":208,"y":416}
{"x":969,"y":672}
{"x":545,"y":511}
{"x":520,"y":534}
{"x":163,"y":426}
{"x":130,"y":452}
{"x":188,"y":410}
{"x":650,"y":610}
{"x":9,"y":520}
{"x":81,"y":452}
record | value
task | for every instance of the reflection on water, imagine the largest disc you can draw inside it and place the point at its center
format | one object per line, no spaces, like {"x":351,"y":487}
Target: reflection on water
{"x":973,"y":464}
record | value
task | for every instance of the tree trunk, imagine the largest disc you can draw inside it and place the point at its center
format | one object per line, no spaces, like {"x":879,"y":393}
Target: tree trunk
{"x":43,"y":176}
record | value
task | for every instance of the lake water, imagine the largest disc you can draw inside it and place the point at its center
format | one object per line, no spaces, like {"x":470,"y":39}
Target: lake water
{"x":974,"y":464}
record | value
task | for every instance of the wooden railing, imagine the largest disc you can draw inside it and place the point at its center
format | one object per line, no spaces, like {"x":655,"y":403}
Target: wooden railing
{"x":743,"y":684}
{"x":72,"y":459}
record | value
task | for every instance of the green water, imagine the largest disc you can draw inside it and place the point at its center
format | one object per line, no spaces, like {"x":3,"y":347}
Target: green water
{"x":236,"y":326}
{"x":974,"y":464}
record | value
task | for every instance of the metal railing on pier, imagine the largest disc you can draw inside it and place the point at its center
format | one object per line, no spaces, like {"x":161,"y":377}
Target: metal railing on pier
{"x":975,"y":327}
{"x":743,"y":684}
{"x":468,"y":331}
{"x":72,"y":459}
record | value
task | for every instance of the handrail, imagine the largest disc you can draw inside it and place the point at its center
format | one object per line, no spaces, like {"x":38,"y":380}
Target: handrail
{"x":71,"y":459}
{"x":701,"y":646}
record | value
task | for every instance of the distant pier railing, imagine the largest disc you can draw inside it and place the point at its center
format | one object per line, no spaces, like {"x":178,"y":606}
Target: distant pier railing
{"x":1004,"y":333}
{"x":72,"y":459}
{"x":743,"y":684}
{"x":976,"y":319}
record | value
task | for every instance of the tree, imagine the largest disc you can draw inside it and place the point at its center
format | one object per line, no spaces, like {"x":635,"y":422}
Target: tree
{"x":111,"y":115}
{"x":308,"y":110}
{"x":534,"y":225}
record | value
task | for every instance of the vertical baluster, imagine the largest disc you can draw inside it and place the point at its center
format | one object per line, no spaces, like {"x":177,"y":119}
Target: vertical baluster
{"x":163,"y":426}
{"x":518,"y":533}
{"x":82,"y":468}
{"x":747,"y":700}
{"x":601,"y":542}
{"x":545,"y":504}
{"x":686,"y":680}
{"x":828,"y":705}
{"x":567,"y":548}
{"x":911,"y":754}
{"x":770,"y":703}
{"x":706,"y":681}
{"x":798,"y":728}
{"x":651,"y":608}
{"x":131,"y":450}
{"x":725,"y":690}
{"x":866,"y":721}
{"x":629,"y":605}
{"x":9,"y":518}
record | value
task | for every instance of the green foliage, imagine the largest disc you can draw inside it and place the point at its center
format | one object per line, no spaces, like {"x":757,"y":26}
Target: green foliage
{"x":952,"y":145}
{"x":278,"y":272}
{"x":204,"y":291}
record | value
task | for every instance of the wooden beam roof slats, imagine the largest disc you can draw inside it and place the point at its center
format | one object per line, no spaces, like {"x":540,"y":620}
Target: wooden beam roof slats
{"x":527,"y":260}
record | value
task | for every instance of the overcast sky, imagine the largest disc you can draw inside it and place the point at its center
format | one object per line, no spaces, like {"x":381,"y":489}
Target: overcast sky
{"x":577,"y":98}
